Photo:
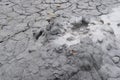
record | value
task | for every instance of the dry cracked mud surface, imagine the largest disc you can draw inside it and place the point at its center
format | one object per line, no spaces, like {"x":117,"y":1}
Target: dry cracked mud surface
{"x":59,"y":40}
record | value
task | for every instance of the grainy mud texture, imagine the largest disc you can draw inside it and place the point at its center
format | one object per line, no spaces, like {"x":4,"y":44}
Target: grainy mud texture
{"x":59,"y":40}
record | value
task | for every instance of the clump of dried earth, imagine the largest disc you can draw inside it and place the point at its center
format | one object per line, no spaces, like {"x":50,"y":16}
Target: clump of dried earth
{"x":59,"y":40}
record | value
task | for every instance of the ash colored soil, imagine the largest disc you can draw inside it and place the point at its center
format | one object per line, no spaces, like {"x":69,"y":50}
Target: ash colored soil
{"x":59,"y":40}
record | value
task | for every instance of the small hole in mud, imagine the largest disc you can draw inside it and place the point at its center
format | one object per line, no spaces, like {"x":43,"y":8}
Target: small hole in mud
{"x":6,"y":4}
{"x":30,"y":51}
{"x":84,"y":22}
{"x":108,"y":23}
{"x":102,"y":21}
{"x":118,"y":24}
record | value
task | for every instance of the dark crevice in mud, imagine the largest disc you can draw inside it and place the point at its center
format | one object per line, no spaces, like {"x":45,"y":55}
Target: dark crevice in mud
{"x":37,"y":35}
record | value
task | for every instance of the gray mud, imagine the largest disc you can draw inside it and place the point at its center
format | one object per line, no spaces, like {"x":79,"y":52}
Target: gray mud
{"x":58,"y":40}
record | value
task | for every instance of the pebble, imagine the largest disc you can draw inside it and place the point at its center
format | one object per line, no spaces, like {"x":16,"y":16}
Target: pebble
{"x":116,"y":59}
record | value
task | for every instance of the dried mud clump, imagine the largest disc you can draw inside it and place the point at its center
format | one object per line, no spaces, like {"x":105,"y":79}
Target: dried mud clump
{"x":85,"y":57}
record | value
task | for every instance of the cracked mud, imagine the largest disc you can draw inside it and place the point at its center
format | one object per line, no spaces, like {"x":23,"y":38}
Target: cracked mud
{"x":59,"y":40}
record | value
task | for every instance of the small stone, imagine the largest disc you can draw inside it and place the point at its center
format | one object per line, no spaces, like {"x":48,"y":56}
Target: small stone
{"x":55,"y":32}
{"x":73,"y":52}
{"x":58,"y":5}
{"x":55,"y":64}
{"x":100,"y":41}
{"x":60,"y":49}
{"x":116,"y":59}
{"x":70,"y":38}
